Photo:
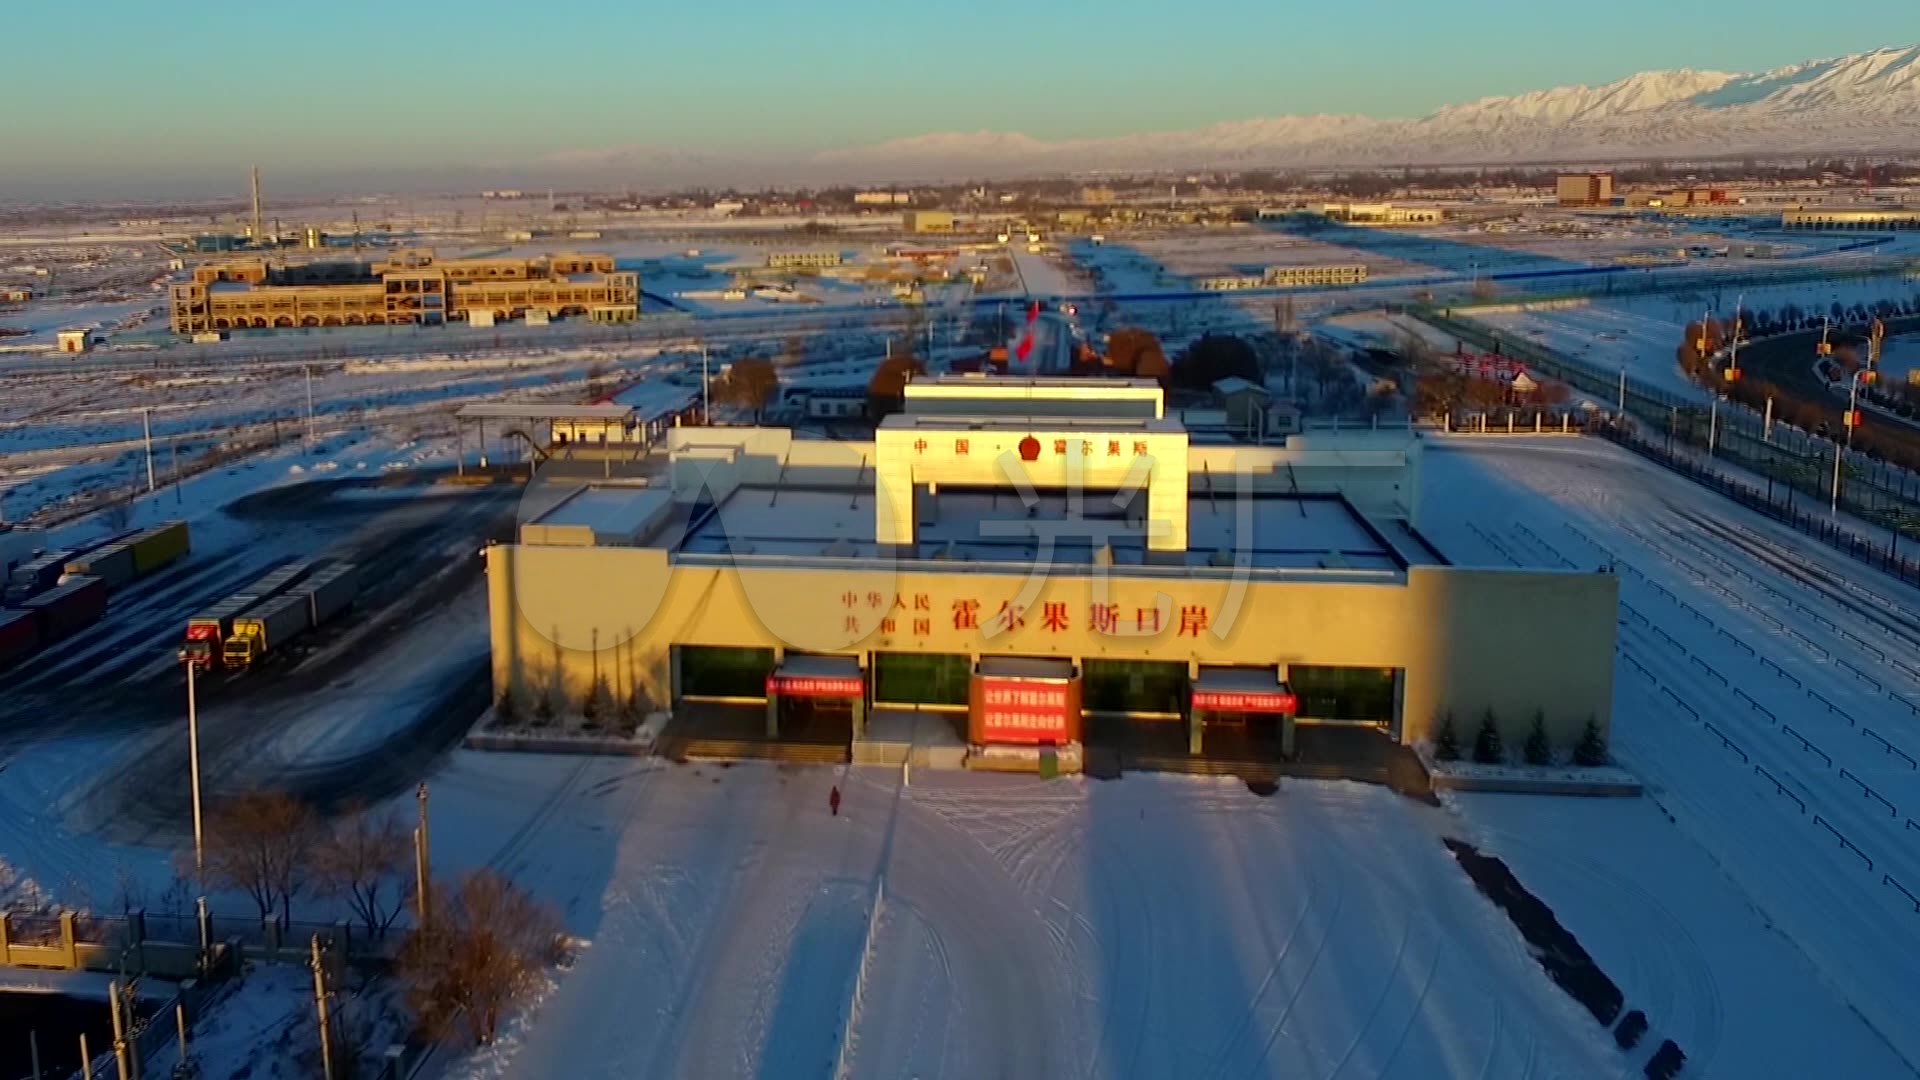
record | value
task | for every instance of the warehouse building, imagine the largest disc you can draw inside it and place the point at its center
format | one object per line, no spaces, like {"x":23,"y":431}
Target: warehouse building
{"x":928,"y":221}
{"x":410,"y":287}
{"x":1022,"y":563}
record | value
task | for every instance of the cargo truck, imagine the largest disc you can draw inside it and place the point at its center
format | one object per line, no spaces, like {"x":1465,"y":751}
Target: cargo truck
{"x":67,"y":607}
{"x":35,"y":576}
{"x":112,"y":565}
{"x":156,"y":547}
{"x":19,"y":635}
{"x":268,"y":627}
{"x":329,"y":591}
{"x":208,"y":631}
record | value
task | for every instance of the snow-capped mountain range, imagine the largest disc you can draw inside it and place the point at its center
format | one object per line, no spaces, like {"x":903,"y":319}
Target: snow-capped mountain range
{"x":1866,"y":101}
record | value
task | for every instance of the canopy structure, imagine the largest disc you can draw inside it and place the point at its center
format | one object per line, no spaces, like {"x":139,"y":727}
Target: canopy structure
{"x":609,"y":420}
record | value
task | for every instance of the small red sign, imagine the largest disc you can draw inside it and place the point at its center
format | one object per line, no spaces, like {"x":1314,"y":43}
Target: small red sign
{"x":1246,"y":701}
{"x":1025,"y":711}
{"x":816,"y":686}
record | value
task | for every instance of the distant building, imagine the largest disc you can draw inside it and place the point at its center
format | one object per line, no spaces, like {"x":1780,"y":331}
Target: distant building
{"x":803,"y":260}
{"x":15,"y":293}
{"x":1383,"y":214}
{"x":411,"y":287}
{"x":928,"y":221}
{"x":882,"y":198}
{"x":1585,"y":189}
{"x":1875,"y":220}
{"x":74,"y":341}
{"x":1288,"y":277}
{"x":1097,"y":195}
{"x":1230,"y":283}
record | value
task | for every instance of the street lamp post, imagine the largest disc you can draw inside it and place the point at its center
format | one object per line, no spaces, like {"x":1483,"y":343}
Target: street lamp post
{"x":1851,"y":422}
{"x":193,"y":764}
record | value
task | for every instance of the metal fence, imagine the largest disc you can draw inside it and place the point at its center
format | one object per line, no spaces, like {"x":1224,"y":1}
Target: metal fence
{"x":1818,"y":524}
{"x":1787,"y":456}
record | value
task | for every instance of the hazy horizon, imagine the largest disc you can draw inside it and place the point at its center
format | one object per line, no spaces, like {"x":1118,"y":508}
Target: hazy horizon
{"x":122,"y":101}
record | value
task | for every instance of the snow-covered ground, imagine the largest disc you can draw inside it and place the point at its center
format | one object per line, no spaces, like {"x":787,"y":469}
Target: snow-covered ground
{"x":1642,"y":333}
{"x":1901,"y":356}
{"x":973,"y":924}
{"x":1767,"y":694}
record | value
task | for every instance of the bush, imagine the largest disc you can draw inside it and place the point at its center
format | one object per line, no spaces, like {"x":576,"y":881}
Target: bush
{"x":1487,"y":749}
{"x":1632,"y":1027}
{"x":1537,"y":750}
{"x":1446,"y":743}
{"x":1591,"y":752}
{"x":1666,"y":1062}
{"x":598,"y":707}
{"x":506,"y":707}
{"x":543,"y":710}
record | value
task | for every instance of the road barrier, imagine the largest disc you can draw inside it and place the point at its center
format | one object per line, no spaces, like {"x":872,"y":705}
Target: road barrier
{"x":1780,"y":788}
{"x":1892,"y":811}
{"x":1845,"y":843}
{"x":1890,"y":748}
{"x":1807,"y":745}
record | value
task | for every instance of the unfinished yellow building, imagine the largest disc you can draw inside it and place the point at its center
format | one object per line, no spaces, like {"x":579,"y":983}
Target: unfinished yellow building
{"x":410,"y":287}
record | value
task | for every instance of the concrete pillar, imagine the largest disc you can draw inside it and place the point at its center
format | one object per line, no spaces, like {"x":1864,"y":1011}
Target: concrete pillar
{"x":773,"y":716}
{"x":69,"y":941}
{"x":1195,"y":725}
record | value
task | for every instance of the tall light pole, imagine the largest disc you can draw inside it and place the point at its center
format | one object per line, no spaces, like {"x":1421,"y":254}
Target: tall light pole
{"x":146,"y":430}
{"x":1852,"y":420}
{"x":706,"y":405}
{"x":308,"y":368}
{"x":193,"y":763}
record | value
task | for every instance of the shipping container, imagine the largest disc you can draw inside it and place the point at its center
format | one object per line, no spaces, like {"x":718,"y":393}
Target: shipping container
{"x":35,"y":576}
{"x":158,"y":546}
{"x":19,"y":635}
{"x":72,"y":605}
{"x":112,"y":564}
{"x":266,"y":628}
{"x":329,"y":591}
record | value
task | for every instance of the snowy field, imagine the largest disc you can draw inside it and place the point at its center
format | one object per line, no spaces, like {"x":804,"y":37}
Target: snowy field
{"x":979,"y":925}
{"x":1901,"y":356}
{"x":1767,"y":694}
{"x":1641,"y":333}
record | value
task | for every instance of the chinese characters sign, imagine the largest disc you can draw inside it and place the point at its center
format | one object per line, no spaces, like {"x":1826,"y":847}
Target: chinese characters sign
{"x":815,"y":686}
{"x":1246,"y":701}
{"x":1024,"y":711}
{"x":914,"y":615}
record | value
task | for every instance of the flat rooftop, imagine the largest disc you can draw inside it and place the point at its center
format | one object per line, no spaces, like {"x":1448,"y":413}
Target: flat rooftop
{"x":609,"y":511}
{"x":1268,"y":531}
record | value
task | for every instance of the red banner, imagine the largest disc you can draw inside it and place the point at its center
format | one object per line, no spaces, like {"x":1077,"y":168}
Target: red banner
{"x":821,"y":686}
{"x":1247,"y":701}
{"x":1025,"y":711}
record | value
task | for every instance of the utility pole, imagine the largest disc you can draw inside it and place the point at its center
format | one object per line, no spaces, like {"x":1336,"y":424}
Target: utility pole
{"x":320,"y":1004}
{"x":308,"y":368}
{"x":86,"y":1059}
{"x":706,"y":402}
{"x":1623,"y":392}
{"x":1713,"y":424}
{"x":422,"y":858}
{"x":193,"y":764}
{"x":1767,"y":430}
{"x":33,"y":1051}
{"x":146,"y":428}
{"x":180,"y":1021}
{"x":259,"y":238}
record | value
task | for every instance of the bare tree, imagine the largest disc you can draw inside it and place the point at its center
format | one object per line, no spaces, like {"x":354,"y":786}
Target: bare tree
{"x":751,"y":384}
{"x":255,"y":845}
{"x":364,"y":861}
{"x":479,"y":956}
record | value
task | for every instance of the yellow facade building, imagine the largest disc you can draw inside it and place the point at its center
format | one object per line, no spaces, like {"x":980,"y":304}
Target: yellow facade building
{"x":1026,"y":556}
{"x":409,"y":287}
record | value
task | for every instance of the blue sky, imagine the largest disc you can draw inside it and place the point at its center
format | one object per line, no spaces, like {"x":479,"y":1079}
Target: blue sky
{"x":173,"y":92}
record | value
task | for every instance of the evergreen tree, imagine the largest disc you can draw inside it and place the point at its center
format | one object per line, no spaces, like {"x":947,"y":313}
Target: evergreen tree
{"x":1538,"y":751}
{"x":1486,"y":745}
{"x":506,"y":708}
{"x":1446,"y":742}
{"x":1591,"y":752}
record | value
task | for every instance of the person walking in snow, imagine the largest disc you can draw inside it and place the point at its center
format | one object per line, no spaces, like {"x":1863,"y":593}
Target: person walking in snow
{"x":833,"y":800}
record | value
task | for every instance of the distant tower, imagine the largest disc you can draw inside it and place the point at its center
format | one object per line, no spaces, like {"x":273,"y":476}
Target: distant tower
{"x":259,"y":238}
